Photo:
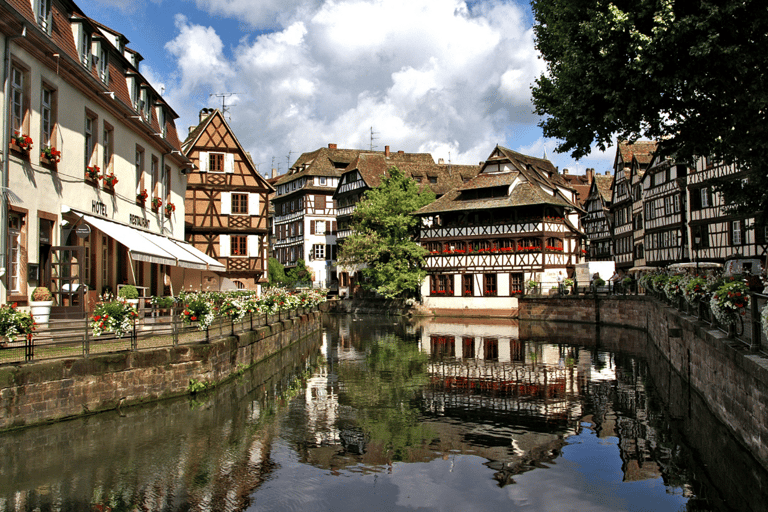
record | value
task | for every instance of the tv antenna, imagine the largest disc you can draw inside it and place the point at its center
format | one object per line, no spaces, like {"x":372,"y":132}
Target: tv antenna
{"x":373,"y":137}
{"x":224,"y":96}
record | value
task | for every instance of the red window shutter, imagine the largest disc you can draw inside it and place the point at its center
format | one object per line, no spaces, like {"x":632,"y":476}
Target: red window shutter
{"x":311,"y":227}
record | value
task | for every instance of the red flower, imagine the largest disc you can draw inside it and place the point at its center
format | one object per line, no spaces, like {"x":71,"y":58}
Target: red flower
{"x":97,"y":318}
{"x":193,"y":318}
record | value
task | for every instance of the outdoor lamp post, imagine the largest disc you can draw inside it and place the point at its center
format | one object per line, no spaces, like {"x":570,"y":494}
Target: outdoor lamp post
{"x":696,"y":242}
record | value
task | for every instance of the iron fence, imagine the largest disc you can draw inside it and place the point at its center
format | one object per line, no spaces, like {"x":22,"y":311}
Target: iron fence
{"x":155,"y":328}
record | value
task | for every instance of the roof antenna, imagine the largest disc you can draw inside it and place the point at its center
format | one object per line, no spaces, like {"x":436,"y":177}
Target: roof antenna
{"x":224,"y":96}
{"x":373,"y":137}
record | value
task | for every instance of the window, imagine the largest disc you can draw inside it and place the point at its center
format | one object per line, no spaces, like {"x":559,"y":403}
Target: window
{"x":103,"y":63}
{"x":44,"y":15}
{"x":240,"y":204}
{"x":108,"y":147}
{"x":161,"y":121}
{"x":318,"y":252}
{"x":441,"y":285}
{"x":467,"y":286}
{"x":145,"y":101}
{"x":85,"y":46}
{"x":432,"y":179}
{"x":47,"y":116}
{"x":154,"y":176}
{"x":238,"y":245}
{"x":138,"y":161}
{"x":320,"y":227}
{"x":216,"y":162}
{"x":104,"y":261}
{"x":322,"y":180}
{"x":167,"y":184}
{"x":516,"y":283}
{"x":489,"y":281}
{"x":90,"y":138}
{"x":15,"y":249}
{"x":18,"y":108}
{"x":737,"y":232}
{"x":135,"y":94}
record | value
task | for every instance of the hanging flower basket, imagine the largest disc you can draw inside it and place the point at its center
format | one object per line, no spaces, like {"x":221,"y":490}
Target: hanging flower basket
{"x":51,"y":154}
{"x":92,"y":172}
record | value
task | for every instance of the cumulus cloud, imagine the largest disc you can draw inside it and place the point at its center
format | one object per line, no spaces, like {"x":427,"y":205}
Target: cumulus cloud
{"x":439,"y":77}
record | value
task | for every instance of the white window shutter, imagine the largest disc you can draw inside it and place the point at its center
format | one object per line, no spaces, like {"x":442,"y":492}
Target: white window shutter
{"x":203,"y":161}
{"x":229,"y":162}
{"x":226,"y":203}
{"x":253,"y":203}
{"x":224,"y":246}
{"x":253,"y":246}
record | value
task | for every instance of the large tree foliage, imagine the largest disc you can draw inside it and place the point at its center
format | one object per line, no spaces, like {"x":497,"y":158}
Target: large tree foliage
{"x":693,"y":75}
{"x":384,"y":232}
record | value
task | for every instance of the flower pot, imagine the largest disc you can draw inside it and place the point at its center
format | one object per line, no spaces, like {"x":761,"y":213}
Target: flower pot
{"x":41,"y":310}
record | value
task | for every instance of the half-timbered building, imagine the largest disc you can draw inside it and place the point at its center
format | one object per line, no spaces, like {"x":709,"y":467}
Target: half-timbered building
{"x":597,"y":222}
{"x":88,"y":144}
{"x":367,"y":171}
{"x":715,"y":233}
{"x":639,"y":154}
{"x":664,"y":212}
{"x":638,"y":234}
{"x":513,"y":223}
{"x":226,"y":204}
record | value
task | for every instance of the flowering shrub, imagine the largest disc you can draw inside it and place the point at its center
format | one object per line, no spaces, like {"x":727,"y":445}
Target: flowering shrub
{"x":729,"y":301}
{"x":23,"y":141}
{"x":674,"y":287}
{"x":52,"y":154}
{"x":92,"y":172}
{"x":199,"y":308}
{"x":15,"y":323}
{"x":233,"y":308}
{"x":659,"y":282}
{"x":696,"y":289}
{"x":117,"y":317}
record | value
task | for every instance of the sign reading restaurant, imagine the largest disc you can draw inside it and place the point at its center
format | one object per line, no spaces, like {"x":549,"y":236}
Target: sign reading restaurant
{"x":135,"y":220}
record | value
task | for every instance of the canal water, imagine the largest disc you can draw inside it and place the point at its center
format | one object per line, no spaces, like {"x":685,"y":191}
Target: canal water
{"x":375,"y":413}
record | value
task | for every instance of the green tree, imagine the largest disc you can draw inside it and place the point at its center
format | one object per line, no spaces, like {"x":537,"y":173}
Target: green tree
{"x":693,"y":75}
{"x":299,"y":274}
{"x":383,"y":238}
{"x":275,"y":273}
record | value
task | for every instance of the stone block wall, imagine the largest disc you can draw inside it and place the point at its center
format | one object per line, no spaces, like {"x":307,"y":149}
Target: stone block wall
{"x":55,"y":390}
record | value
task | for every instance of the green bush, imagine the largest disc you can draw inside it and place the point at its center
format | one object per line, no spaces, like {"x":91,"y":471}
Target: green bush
{"x":128,"y":292}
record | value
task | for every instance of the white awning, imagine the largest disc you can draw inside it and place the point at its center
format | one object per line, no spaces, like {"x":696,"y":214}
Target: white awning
{"x":213,"y":264}
{"x":139,"y":246}
{"x":184,"y":257}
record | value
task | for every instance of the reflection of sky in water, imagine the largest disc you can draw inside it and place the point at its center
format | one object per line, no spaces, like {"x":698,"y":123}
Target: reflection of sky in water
{"x":587,"y":477}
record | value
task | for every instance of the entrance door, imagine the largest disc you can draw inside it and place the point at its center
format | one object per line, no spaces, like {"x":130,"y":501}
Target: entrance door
{"x":65,"y":268}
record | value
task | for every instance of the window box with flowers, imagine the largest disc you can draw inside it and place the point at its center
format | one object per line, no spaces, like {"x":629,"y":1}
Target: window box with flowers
{"x":21,"y":143}
{"x":110,"y":180}
{"x":156,"y":203}
{"x":141,"y":198}
{"x":92,"y":173}
{"x":729,"y":302}
{"x":50,"y":155}
{"x":169,"y":209}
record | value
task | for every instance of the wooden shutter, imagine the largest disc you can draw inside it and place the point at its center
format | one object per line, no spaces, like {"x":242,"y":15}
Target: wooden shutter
{"x":229,"y":162}
{"x":224,"y":246}
{"x":311,"y":227}
{"x":327,"y":251}
{"x":253,"y":246}
{"x":226,"y":203}
{"x":253,"y":203}
{"x":203,"y":156}
{"x":333,"y":227}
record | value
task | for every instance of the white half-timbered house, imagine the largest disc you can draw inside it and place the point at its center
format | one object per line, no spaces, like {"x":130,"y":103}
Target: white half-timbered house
{"x":716,"y":234}
{"x":514,"y":222}
{"x":664,"y":188}
{"x":628,"y":154}
{"x":596,"y":222}
{"x":636,"y":186}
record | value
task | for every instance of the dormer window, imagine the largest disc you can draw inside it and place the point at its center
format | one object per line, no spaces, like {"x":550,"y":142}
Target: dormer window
{"x":135,"y":94}
{"x":161,"y":120}
{"x":103,"y":63}
{"x":85,"y":46}
{"x":44,"y":15}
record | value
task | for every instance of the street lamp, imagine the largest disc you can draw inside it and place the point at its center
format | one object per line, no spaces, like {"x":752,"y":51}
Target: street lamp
{"x":696,"y":242}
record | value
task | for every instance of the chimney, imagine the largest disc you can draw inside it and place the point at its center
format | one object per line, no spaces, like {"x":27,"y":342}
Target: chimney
{"x":386,"y":151}
{"x":401,"y":152}
{"x":440,"y":161}
{"x":332,"y":146}
{"x":590,"y":175}
{"x":204,"y":113}
{"x":565,"y":172}
{"x":607,"y":173}
{"x":274,"y":173}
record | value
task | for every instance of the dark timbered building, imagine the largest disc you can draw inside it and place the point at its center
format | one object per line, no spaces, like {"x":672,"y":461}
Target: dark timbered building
{"x":664,"y":192}
{"x":597,"y":222}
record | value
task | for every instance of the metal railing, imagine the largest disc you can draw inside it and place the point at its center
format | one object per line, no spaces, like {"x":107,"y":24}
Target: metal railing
{"x":156,"y":328}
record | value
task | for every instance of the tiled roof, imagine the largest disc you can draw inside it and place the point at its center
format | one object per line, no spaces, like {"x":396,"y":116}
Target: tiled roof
{"x":642,"y":150}
{"x":321,"y":162}
{"x":603,"y":184}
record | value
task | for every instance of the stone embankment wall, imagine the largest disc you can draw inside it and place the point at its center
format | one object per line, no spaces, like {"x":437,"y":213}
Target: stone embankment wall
{"x":55,"y":390}
{"x":731,"y":380}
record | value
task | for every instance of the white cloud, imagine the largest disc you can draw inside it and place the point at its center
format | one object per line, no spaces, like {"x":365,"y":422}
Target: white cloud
{"x":425,"y":75}
{"x":257,"y":13}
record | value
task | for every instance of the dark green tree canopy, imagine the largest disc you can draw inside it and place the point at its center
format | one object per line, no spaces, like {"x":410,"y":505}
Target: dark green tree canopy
{"x":384,"y":232}
{"x":692,"y":75}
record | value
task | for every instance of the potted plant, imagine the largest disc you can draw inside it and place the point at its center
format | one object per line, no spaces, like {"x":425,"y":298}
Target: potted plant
{"x":169,"y":209}
{"x":156,"y":203}
{"x":532,"y":286}
{"x":23,"y":142}
{"x":92,"y":172}
{"x":15,"y":323}
{"x":130,"y":294}
{"x":40,"y":304}
{"x":568,"y":283}
{"x":110,"y":180}
{"x":141,"y":197}
{"x":116,"y":317}
{"x":51,"y":154}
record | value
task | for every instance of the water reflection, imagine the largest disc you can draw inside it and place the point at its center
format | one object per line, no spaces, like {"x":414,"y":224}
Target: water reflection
{"x":376,"y":413}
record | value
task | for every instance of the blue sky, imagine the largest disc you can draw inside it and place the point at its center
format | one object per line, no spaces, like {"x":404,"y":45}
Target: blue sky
{"x":449,"y":78}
